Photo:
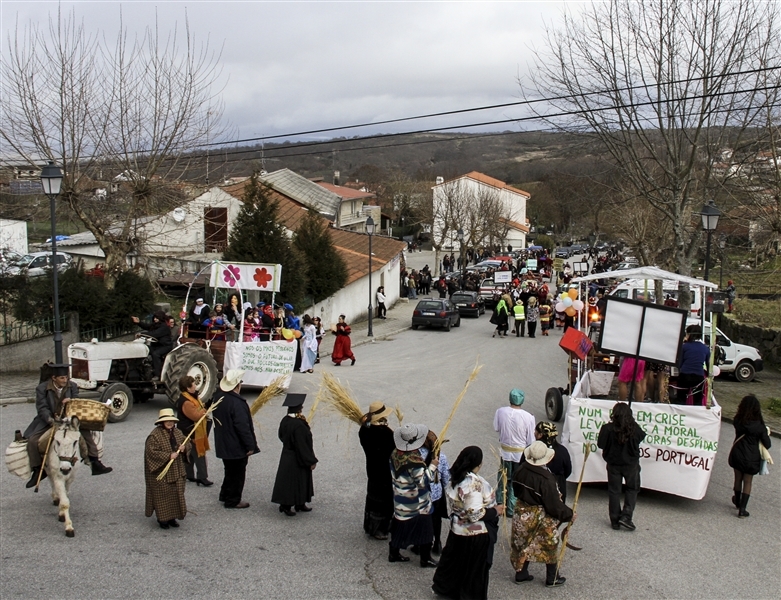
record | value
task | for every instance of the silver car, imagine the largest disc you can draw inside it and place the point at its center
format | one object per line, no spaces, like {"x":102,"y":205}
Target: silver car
{"x":38,"y":264}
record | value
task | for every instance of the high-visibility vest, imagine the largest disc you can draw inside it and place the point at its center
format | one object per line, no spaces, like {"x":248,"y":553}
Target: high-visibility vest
{"x":518,"y":312}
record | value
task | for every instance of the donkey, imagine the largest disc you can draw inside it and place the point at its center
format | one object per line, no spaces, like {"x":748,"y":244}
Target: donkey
{"x":61,"y":467}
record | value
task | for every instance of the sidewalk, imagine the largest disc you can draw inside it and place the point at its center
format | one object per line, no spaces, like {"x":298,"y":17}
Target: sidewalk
{"x":18,"y":388}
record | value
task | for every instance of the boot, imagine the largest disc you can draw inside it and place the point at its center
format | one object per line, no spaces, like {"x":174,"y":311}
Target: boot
{"x":742,"y":512}
{"x":736,"y":498}
{"x":34,"y":477}
{"x":523,"y":576}
{"x":98,"y":468}
{"x":425,"y":557}
{"x":395,"y":556}
{"x":551,"y":580}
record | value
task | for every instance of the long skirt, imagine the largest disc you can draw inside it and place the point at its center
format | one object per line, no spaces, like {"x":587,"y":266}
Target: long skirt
{"x":535,"y":536}
{"x":463,"y":568}
{"x":308,"y":358}
{"x":377,"y":517}
{"x":342,"y":349}
{"x":417,"y":531}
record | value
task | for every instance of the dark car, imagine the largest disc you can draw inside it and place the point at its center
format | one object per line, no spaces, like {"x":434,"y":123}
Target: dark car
{"x":436,"y":312}
{"x":468,"y":303}
{"x":563,"y":252}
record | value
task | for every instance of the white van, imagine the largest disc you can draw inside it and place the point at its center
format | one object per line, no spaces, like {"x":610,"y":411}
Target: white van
{"x":636,"y":290}
{"x":740,"y":360}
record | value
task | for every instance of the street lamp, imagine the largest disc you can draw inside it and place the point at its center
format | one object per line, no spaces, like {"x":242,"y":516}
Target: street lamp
{"x":722,"y":246}
{"x":460,"y":235}
{"x":710,"y":220}
{"x":370,"y":231}
{"x":51,"y":180}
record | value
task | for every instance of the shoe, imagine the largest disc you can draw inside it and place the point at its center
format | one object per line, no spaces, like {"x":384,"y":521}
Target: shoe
{"x":627,"y":522}
{"x":239,"y":505}
{"x":556,"y":583}
{"x":615,"y":526}
{"x":163,"y":524}
{"x":427,"y":563}
{"x":317,"y":361}
{"x":289,"y":512}
{"x":203,"y":482}
{"x":493,"y":334}
{"x":173,"y":523}
{"x":397,"y":557}
{"x":98,"y":468}
{"x":193,"y":479}
{"x":736,"y":499}
{"x":742,"y":512}
{"x":352,"y":362}
{"x":303,"y":508}
{"x":437,"y":547}
{"x":337,"y":364}
{"x":520,"y":578}
{"x":380,"y":536}
{"x":34,"y":477}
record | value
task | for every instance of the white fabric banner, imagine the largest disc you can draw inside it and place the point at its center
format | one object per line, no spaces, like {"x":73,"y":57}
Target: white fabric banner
{"x":262,"y":361}
{"x":245,"y":276}
{"x":676,"y":456}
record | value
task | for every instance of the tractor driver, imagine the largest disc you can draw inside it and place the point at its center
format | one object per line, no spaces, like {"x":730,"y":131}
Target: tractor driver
{"x":159,"y":330}
{"x":50,"y":400}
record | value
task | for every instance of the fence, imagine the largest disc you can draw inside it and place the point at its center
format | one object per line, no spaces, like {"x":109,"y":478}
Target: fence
{"x":106,"y":333}
{"x":31,"y":330}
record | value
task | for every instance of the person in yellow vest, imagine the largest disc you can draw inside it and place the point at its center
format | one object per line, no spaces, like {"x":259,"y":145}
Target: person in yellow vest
{"x":519,"y":312}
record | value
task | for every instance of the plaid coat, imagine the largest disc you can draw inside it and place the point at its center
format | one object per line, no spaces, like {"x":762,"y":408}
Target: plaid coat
{"x":166,"y":497}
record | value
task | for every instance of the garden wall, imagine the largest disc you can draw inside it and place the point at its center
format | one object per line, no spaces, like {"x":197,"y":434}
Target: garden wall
{"x":766,"y":340}
{"x":29,"y":355}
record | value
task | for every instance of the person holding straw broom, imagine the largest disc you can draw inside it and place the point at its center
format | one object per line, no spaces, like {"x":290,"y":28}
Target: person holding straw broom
{"x":166,"y":443}
{"x":376,"y":439}
{"x":190,"y":410}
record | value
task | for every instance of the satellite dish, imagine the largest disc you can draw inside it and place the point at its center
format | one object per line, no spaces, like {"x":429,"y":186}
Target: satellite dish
{"x":179,"y":214}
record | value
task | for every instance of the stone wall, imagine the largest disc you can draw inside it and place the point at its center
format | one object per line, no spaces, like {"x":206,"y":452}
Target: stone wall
{"x":766,"y":340}
{"x":31,"y":354}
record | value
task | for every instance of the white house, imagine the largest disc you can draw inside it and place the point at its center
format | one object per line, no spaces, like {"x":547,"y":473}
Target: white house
{"x":13,"y":235}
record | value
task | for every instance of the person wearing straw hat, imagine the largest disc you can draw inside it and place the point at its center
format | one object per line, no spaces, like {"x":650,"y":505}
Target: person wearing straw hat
{"x":516,"y":432}
{"x":293,"y":485}
{"x":412,"y":525}
{"x":539,"y":511}
{"x":377,"y":442}
{"x":234,"y":438}
{"x":165,"y":498}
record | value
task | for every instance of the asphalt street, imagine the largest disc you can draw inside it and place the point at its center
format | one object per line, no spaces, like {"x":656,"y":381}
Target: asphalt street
{"x":681,"y":549}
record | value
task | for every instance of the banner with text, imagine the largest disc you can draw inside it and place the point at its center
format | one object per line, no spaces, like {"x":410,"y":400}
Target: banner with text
{"x":245,"y":276}
{"x":262,"y":361}
{"x":676,"y":456}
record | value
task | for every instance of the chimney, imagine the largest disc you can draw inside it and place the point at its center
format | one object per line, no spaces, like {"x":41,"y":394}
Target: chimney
{"x":440,"y":180}
{"x":336,"y":177}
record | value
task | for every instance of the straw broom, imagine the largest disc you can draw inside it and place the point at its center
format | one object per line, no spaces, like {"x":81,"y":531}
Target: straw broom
{"x":337,"y":396}
{"x":503,"y":484}
{"x":399,"y":414}
{"x":565,"y":535}
{"x":441,"y":439}
{"x":275,"y":388}
{"x":187,"y":439}
{"x":314,"y":406}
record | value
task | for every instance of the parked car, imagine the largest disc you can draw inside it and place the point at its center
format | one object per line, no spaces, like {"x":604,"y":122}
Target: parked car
{"x":739,"y":360}
{"x":468,"y":303}
{"x":8,"y":260}
{"x":38,"y":263}
{"x":436,"y":312}
{"x":488,"y":289}
{"x":563,"y":252}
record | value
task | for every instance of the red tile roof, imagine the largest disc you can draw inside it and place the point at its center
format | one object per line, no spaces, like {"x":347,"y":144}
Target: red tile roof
{"x":488,"y":180}
{"x":345,"y":192}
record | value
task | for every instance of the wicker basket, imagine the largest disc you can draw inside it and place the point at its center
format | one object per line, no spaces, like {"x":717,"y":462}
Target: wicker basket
{"x":16,"y":459}
{"x":91,"y":413}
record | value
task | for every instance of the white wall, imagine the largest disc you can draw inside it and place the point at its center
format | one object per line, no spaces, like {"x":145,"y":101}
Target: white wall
{"x":13,"y":235}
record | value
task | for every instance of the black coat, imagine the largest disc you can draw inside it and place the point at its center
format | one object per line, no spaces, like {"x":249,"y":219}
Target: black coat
{"x":615,"y":453}
{"x":234,"y":432}
{"x":161,"y":332}
{"x":537,"y":486}
{"x":377,"y":443}
{"x":293,"y":485}
{"x":48,"y":405}
{"x":744,"y":455}
{"x":561,"y":466}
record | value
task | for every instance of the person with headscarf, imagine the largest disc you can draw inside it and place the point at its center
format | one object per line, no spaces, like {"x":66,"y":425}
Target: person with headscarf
{"x":342,"y":346}
{"x":561,"y":463}
{"x":474,"y":523}
{"x":376,"y":439}
{"x":293,"y":486}
{"x":165,"y":498}
{"x":199,"y":312}
{"x":499,"y":317}
{"x":412,"y":507}
{"x":538,"y":513}
{"x":190,"y":410}
{"x":267,"y":322}
{"x":161,"y":332}
{"x":620,"y":443}
{"x":516,"y":432}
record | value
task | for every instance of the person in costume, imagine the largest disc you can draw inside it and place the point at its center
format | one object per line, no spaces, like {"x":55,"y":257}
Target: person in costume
{"x":516,"y":433}
{"x":50,"y":399}
{"x":376,"y":439}
{"x":561,"y":463}
{"x":293,"y":486}
{"x":234,"y":438}
{"x":309,"y":345}
{"x":474,"y":524}
{"x":199,"y":312}
{"x":342,"y":345}
{"x":190,"y":409}
{"x":165,"y":498}
{"x":538,"y":513}
{"x":438,"y":486}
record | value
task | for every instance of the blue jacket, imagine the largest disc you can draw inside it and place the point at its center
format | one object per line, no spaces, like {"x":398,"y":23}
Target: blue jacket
{"x":693,"y":356}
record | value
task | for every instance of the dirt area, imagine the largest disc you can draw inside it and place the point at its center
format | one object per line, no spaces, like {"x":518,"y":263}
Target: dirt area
{"x":766,"y":385}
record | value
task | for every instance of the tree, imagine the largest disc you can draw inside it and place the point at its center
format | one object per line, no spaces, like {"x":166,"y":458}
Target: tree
{"x":326,"y":269}
{"x":664,"y":86}
{"x":258,"y":237}
{"x":118,"y":117}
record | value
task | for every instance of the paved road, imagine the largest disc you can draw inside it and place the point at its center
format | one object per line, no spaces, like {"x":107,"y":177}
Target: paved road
{"x":681,"y":549}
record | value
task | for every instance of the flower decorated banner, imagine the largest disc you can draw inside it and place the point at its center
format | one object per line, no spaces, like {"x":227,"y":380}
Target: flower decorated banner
{"x":245,"y":276}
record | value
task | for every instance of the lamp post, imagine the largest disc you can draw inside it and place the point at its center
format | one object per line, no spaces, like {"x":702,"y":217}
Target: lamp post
{"x":460,"y":235}
{"x":370,"y":231}
{"x":722,"y":245}
{"x":710,"y":219}
{"x":51,"y":180}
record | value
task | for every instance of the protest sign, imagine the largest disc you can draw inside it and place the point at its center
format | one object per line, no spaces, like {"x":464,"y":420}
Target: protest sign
{"x":262,"y":361}
{"x":503,"y":276}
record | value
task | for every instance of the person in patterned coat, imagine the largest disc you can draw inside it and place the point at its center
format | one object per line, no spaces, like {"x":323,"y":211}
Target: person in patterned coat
{"x":165,"y":498}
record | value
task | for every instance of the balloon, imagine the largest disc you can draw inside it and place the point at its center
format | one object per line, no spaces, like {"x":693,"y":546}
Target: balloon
{"x":563,"y":295}
{"x":567,"y":302}
{"x":573,"y":293}
{"x":297,"y":334}
{"x":560,"y":307}
{"x":577,"y":305}
{"x":571,"y":312}
{"x":716,"y":371}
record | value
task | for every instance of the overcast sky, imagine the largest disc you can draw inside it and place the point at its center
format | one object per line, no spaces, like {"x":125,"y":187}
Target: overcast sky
{"x":293,"y":66}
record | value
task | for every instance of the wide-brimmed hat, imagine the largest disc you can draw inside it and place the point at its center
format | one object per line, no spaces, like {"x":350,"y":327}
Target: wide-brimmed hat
{"x":377,"y":411}
{"x":166,"y":414}
{"x":410,"y":437}
{"x":538,"y":454}
{"x":231,"y":379}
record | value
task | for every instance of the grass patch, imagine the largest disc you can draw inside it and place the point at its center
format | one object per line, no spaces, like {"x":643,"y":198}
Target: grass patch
{"x":766,"y":313}
{"x":773,"y":405}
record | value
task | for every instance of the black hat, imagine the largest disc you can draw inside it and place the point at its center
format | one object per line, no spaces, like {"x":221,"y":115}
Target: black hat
{"x":59,"y":370}
{"x":294,"y":400}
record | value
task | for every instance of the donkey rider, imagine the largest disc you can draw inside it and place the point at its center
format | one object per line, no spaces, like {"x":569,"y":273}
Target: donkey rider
{"x":50,"y":398}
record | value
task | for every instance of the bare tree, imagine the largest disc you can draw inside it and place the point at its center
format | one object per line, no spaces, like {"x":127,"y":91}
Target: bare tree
{"x":664,"y":86}
{"x":126,"y":112}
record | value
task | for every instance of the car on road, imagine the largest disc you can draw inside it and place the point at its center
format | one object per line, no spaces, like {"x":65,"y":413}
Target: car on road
{"x":738,"y":360}
{"x":563,"y":252}
{"x":436,"y":312}
{"x":468,"y":303}
{"x":39,"y":263}
{"x":8,"y":260}
{"x":488,"y":289}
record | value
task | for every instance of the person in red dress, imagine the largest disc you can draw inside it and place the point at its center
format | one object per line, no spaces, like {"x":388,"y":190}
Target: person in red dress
{"x":342,"y":349}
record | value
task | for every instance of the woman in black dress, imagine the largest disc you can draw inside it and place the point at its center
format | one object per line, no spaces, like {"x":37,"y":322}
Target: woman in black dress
{"x":377,"y":443}
{"x":744,"y":457}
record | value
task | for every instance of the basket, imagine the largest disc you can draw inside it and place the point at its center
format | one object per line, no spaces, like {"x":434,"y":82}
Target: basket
{"x":16,"y":459}
{"x":92,"y":414}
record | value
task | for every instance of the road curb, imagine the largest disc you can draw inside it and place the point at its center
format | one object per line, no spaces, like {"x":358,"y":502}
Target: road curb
{"x":368,"y":340}
{"x":19,"y":400}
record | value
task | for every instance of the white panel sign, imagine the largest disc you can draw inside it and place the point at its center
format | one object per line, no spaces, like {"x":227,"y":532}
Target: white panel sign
{"x":503,"y":276}
{"x":262,"y":361}
{"x":246,"y":276}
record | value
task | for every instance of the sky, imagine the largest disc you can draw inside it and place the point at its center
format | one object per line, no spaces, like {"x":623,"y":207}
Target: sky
{"x":297,"y":66}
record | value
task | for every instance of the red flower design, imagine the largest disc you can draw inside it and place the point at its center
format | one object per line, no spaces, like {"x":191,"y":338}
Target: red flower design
{"x":231,"y":275}
{"x":262,"y":277}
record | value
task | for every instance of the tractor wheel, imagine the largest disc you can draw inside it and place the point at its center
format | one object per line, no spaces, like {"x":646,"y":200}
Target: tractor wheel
{"x":120,"y":400}
{"x":196,"y":362}
{"x":554,"y":404}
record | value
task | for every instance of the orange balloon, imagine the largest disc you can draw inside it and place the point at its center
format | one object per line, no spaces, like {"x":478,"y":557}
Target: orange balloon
{"x":297,"y":333}
{"x":573,"y":293}
{"x":571,"y":311}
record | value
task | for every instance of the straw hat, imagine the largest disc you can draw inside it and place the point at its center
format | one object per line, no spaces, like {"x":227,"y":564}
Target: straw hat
{"x":377,"y":411}
{"x":538,"y":454}
{"x":166,"y":414}
{"x":231,"y":379}
{"x":410,"y":437}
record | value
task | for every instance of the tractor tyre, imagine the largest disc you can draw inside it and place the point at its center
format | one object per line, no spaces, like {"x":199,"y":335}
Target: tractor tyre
{"x":554,"y":404}
{"x":120,"y":400}
{"x":196,"y":362}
